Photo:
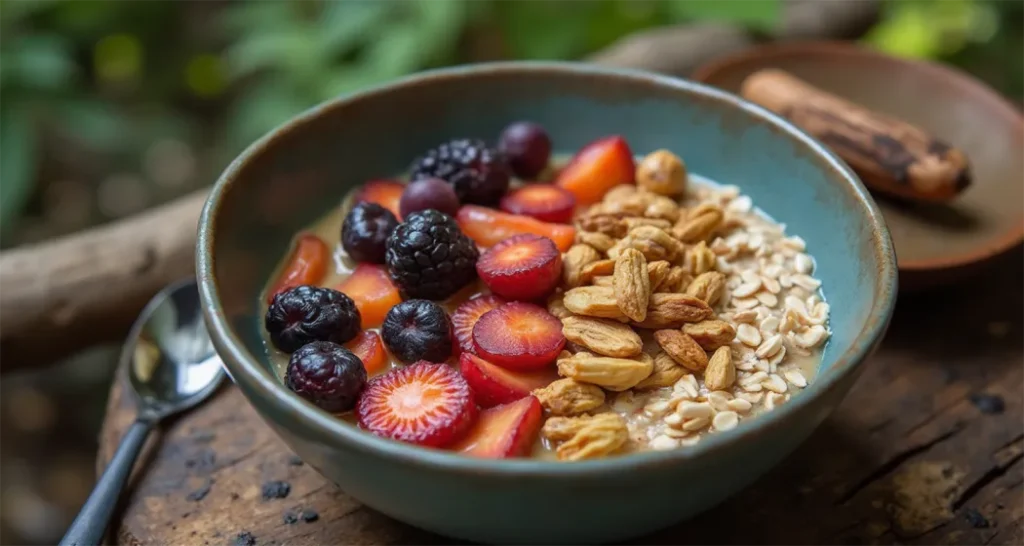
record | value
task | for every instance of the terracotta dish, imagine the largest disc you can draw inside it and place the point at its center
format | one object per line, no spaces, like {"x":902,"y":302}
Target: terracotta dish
{"x":935,"y":243}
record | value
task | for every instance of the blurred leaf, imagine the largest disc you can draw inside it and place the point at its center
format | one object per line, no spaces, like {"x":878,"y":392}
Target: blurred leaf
{"x":262,"y":107}
{"x":94,"y":122}
{"x":762,"y":14}
{"x":17,"y":161}
{"x":258,"y":16}
{"x":118,"y":58}
{"x":346,"y":23}
{"x":12,"y":13}
{"x":542,"y":30}
{"x":40,"y":62}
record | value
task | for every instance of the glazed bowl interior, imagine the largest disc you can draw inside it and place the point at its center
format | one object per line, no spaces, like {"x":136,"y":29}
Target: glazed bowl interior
{"x":305,"y":168}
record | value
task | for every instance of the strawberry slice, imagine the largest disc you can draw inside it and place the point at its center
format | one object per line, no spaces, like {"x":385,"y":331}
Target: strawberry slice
{"x":425,"y":403}
{"x":489,"y":227}
{"x":493,"y":385}
{"x":544,"y":202}
{"x":307,"y":265}
{"x":466,"y":315}
{"x":519,"y":336}
{"x":504,"y":431}
{"x":386,"y":193}
{"x":525,"y":267}
{"x":371,"y":289}
{"x":369,"y":348}
{"x":597,"y":168}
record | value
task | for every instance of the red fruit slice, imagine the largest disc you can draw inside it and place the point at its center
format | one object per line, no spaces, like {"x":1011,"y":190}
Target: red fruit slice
{"x":597,"y":168}
{"x":369,"y":348}
{"x":519,"y":336}
{"x":489,"y":227}
{"x":386,"y":193}
{"x":493,"y":385}
{"x":374,"y":294}
{"x":504,"y":431}
{"x":524,"y":267}
{"x":466,"y":315}
{"x":307,"y":265}
{"x":544,"y":202}
{"x":425,"y":403}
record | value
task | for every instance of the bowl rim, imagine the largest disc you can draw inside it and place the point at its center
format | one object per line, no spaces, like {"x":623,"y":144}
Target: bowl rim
{"x":245,"y":369}
{"x":954,"y":77}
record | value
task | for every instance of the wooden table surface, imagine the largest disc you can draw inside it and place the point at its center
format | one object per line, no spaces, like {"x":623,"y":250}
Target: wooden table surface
{"x":926,"y":449}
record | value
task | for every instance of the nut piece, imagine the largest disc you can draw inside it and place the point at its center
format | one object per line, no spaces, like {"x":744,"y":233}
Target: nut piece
{"x":606,"y":224}
{"x":632,"y":284}
{"x":603,"y":336}
{"x":586,"y":437}
{"x":720,"y":373}
{"x":708,"y":287}
{"x":593,"y":301}
{"x":596,"y":269}
{"x":599,"y":241}
{"x":573,"y":262}
{"x":567,"y":397}
{"x":556,"y":307}
{"x":699,"y":223}
{"x":710,"y":334}
{"x":636,"y":221}
{"x":676,"y":280}
{"x":683,"y":349}
{"x":699,"y":259}
{"x":658,"y":272}
{"x":614,"y":374}
{"x":654,"y":243}
{"x":673,"y":310}
{"x":664,"y":208}
{"x":666,"y":373}
{"x":661,"y":172}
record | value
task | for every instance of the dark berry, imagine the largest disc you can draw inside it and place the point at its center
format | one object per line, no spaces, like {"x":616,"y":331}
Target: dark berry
{"x":429,"y":193}
{"x":429,"y":257}
{"x":364,"y":233}
{"x":305,"y":313}
{"x":327,"y":375}
{"x":526,"y":147}
{"x":418,"y":330}
{"x":479,"y":174}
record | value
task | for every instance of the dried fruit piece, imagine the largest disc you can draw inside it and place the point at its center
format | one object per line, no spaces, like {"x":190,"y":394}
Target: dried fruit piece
{"x":519,"y":336}
{"x":720,"y":373}
{"x":602,"y":336}
{"x":603,"y":280}
{"x":600,"y":268}
{"x":632,"y":284}
{"x":306,"y":266}
{"x":708,"y":287}
{"x":556,"y":307}
{"x":425,"y":404}
{"x":493,"y":385}
{"x":635,"y":222}
{"x":504,"y":431}
{"x":489,"y":227}
{"x":673,"y":310}
{"x":614,"y":374}
{"x":710,"y":334}
{"x":657,"y":272}
{"x":597,"y":168}
{"x":593,"y":301}
{"x":544,"y":202}
{"x":654,"y":243}
{"x":578,"y":257}
{"x":699,"y":259}
{"x":569,"y":397}
{"x":466,"y":316}
{"x":605,"y":224}
{"x":592,"y":437}
{"x":666,"y":373}
{"x":370,"y":350}
{"x":599,"y":241}
{"x":676,"y":280}
{"x":371,"y":289}
{"x":699,"y":224}
{"x":523,"y":267}
{"x":662,"y":172}
{"x":662,"y":207}
{"x":386,"y":193}
{"x":683,"y":349}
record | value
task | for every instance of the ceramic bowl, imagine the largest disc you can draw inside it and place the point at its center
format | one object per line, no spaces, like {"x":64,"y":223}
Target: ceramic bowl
{"x":935,"y":243}
{"x":302,"y":169}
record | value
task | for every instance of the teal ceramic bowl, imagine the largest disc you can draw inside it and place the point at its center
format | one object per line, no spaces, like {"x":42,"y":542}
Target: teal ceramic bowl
{"x":302,"y":169}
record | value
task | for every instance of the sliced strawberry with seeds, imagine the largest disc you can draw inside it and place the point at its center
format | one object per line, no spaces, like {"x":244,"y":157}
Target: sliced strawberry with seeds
{"x":597,"y":168}
{"x":466,"y":315}
{"x":504,"y":431}
{"x":307,"y":265}
{"x":493,"y":385}
{"x":525,"y":267}
{"x":519,"y":336}
{"x":488,"y":227}
{"x":370,"y":350}
{"x":544,"y":202}
{"x":425,"y":403}
{"x":386,"y":193}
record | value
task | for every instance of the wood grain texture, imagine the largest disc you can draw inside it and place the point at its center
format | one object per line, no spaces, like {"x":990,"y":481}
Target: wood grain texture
{"x":915,"y":455}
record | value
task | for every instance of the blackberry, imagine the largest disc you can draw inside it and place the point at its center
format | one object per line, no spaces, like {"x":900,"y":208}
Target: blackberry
{"x":329,"y":376}
{"x":479,"y":174}
{"x":305,"y":314}
{"x":429,"y":257}
{"x":418,"y":330}
{"x":364,"y":233}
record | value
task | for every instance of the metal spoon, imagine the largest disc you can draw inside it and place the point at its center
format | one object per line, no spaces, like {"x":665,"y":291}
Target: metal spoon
{"x":171,"y":366}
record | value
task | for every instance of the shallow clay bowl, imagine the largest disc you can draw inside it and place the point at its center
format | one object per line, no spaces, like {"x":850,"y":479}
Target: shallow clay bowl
{"x":934,"y":244}
{"x":304,"y":168}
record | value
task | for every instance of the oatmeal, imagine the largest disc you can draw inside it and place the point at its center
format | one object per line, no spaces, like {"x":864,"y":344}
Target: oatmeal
{"x":627,"y":306}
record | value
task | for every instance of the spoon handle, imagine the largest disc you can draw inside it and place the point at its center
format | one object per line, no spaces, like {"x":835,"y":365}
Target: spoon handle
{"x":92,"y":520}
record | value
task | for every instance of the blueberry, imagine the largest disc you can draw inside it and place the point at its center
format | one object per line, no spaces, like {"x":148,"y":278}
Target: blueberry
{"x":305,"y":314}
{"x":526,"y":147}
{"x":364,"y":233}
{"x":429,"y":193}
{"x":418,"y":330}
{"x":327,"y":375}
